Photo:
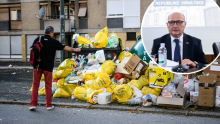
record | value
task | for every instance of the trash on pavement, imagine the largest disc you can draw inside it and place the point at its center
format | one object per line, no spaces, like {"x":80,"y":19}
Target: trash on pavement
{"x":174,"y":101}
{"x":104,"y":98}
{"x":132,"y":67}
{"x":60,"y":92}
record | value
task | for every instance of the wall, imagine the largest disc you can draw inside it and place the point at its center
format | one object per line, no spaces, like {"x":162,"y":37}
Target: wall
{"x":96,"y":14}
{"x":56,"y":25}
{"x":29,"y":20}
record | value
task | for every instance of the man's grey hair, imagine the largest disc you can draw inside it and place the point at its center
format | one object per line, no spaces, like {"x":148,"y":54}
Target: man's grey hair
{"x":176,"y":12}
{"x":49,"y":29}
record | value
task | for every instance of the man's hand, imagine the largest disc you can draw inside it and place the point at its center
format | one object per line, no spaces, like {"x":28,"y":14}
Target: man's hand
{"x":188,"y":62}
{"x":67,"y":48}
{"x":76,"y":49}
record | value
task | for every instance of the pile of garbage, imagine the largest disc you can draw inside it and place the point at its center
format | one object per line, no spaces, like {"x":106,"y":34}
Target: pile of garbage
{"x":101,"y":40}
{"x":126,"y":79}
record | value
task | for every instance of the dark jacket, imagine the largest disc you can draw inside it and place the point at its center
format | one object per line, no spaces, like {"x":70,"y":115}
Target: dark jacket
{"x":192,"y":48}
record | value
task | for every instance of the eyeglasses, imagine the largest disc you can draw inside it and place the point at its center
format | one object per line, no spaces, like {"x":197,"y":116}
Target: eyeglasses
{"x":177,"y":22}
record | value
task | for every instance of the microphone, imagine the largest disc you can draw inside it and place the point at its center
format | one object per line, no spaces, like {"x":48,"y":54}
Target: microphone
{"x":180,"y":67}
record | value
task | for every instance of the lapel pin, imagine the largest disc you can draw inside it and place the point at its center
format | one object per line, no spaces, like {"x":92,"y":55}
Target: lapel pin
{"x":187,"y":42}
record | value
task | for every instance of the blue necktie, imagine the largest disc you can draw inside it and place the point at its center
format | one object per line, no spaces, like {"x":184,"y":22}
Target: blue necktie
{"x":177,"y":51}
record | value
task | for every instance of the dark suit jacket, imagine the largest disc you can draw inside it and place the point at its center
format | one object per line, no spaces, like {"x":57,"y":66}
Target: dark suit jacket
{"x":192,"y":48}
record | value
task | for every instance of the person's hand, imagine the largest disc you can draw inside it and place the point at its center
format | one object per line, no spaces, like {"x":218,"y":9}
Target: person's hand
{"x":30,"y":49}
{"x":188,"y":62}
{"x":77,"y":50}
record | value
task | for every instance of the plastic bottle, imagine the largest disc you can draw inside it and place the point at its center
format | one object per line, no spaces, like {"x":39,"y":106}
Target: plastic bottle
{"x":104,"y":98}
{"x":162,"y":57}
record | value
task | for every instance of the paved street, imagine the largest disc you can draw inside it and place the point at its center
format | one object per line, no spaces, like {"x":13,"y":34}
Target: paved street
{"x":19,"y":114}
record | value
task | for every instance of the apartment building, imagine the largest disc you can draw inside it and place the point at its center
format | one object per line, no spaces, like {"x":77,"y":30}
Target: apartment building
{"x":19,"y":24}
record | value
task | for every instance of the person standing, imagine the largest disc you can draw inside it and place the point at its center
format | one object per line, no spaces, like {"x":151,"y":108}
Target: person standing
{"x":46,"y":67}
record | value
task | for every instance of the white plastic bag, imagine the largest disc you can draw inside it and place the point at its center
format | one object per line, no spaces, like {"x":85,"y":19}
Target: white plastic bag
{"x":189,"y":85}
{"x":149,"y":100}
{"x":100,"y":56}
{"x":136,"y":97}
{"x":92,"y":60}
{"x":176,"y":78}
{"x":75,"y":37}
{"x":136,"y":92}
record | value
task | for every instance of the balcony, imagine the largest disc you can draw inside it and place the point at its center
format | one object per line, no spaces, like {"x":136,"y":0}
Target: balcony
{"x":55,"y":22}
{"x":10,"y":25}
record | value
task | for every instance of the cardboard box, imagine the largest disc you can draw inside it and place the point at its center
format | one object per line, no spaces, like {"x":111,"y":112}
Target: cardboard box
{"x":214,"y":69}
{"x":172,"y":101}
{"x":132,"y":67}
{"x":159,"y":77}
{"x":207,"y":91}
{"x":194,"y":97}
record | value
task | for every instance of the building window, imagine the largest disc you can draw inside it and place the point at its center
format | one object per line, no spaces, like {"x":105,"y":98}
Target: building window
{"x":131,"y":36}
{"x":129,"y":10}
{"x":15,"y":15}
{"x":82,"y":9}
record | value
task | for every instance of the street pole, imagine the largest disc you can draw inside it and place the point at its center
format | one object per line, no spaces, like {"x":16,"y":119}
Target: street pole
{"x":62,"y":29}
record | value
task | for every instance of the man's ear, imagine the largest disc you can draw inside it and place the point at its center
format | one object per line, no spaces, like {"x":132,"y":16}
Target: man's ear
{"x":167,"y":24}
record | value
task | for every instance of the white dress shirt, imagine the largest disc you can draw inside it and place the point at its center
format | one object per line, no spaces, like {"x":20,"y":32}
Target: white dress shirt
{"x":173,"y":45}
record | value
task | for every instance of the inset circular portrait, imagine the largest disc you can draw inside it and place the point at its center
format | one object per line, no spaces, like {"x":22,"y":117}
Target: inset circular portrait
{"x":182,"y":35}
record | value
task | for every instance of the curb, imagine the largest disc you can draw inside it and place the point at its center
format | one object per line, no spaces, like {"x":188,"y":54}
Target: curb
{"x":125,"y":108}
{"x":19,"y":67}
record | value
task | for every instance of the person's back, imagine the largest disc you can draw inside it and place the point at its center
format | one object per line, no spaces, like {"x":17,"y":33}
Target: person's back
{"x":50,"y":46}
{"x":49,"y":51}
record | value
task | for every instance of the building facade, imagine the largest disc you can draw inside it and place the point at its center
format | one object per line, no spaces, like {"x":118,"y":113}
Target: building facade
{"x":20,"y":24}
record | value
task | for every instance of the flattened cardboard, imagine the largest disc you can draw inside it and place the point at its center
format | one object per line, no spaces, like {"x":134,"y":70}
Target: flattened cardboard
{"x":171,"y":102}
{"x":132,"y":63}
{"x":120,"y":67}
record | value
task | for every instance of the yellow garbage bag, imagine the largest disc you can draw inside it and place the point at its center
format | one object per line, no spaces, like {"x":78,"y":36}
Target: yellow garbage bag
{"x":82,"y":40}
{"x":107,"y":67}
{"x":155,"y":91}
{"x":142,"y":81}
{"x":80,"y":93}
{"x":110,"y":89}
{"x":91,"y":93}
{"x":101,"y":81}
{"x":31,"y":88}
{"x":42,"y":91}
{"x":61,"y":93}
{"x":62,"y":73}
{"x":146,"y":72}
{"x":101,"y":38}
{"x":69,"y":87}
{"x":123,"y":93}
{"x":66,"y":64}
{"x":61,"y":83}
{"x":89,"y":76}
{"x":124,"y":54}
{"x":42,"y":77}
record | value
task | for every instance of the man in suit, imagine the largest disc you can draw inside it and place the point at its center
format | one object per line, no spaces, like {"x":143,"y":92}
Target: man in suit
{"x":176,"y":41}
